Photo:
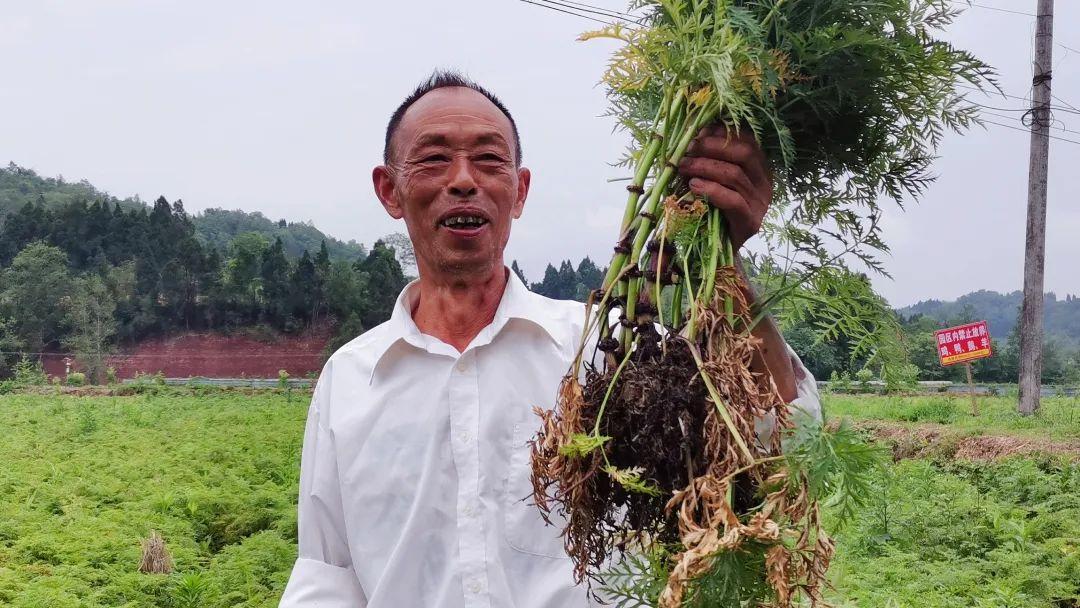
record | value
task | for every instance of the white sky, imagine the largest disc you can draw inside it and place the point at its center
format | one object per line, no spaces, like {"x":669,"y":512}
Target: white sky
{"x":280,"y":107}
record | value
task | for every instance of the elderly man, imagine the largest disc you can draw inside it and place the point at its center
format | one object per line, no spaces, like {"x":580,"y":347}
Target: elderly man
{"x":415,"y":463}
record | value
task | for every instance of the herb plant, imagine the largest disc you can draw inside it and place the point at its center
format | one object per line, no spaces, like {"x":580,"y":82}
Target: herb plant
{"x":682,"y":473}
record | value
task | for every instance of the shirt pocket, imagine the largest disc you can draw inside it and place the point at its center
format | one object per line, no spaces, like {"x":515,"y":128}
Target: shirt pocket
{"x":526,"y":530}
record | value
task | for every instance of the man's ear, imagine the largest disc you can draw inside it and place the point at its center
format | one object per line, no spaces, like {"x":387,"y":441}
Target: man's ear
{"x":383,"y":179}
{"x":524,"y":177}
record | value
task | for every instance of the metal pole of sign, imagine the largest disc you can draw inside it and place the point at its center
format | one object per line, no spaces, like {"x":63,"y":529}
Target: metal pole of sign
{"x":971,"y":389}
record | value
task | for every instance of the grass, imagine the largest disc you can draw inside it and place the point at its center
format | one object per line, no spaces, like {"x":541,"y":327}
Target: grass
{"x":1057,"y":419}
{"x":958,"y":534}
{"x":215,"y":473}
{"x":86,"y":478}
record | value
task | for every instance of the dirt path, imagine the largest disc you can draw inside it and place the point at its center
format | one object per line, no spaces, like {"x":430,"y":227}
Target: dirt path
{"x":929,"y":440}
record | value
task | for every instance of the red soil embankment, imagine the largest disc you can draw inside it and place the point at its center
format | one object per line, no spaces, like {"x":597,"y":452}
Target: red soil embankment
{"x":214,"y":355}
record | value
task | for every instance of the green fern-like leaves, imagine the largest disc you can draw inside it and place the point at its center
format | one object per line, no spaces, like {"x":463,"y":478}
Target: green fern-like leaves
{"x":838,"y":465}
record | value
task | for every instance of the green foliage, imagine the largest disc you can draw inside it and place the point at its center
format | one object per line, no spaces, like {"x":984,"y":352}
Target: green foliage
{"x":638,"y":579}
{"x":961,"y":534}
{"x":631,"y":480}
{"x":192,"y":590}
{"x":85,"y":478}
{"x":1058,"y":417}
{"x":38,"y":276}
{"x":84,"y":272}
{"x":76,"y":379}
{"x":581,"y":445}
{"x":737,"y":578}
{"x":566,"y":283}
{"x":838,"y":464}
{"x":218,"y":227}
{"x":29,"y":372}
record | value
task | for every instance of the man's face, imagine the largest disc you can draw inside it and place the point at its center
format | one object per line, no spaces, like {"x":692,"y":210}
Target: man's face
{"x":453,"y":179}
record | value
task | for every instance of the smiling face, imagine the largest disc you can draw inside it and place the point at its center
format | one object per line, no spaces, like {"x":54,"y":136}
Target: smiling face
{"x":453,"y":179}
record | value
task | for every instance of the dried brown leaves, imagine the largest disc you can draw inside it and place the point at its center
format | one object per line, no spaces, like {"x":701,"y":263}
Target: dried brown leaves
{"x":665,"y":425}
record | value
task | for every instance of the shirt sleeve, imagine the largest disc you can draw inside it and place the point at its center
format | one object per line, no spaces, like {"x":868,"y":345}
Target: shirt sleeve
{"x":323,"y":575}
{"x":807,"y":399}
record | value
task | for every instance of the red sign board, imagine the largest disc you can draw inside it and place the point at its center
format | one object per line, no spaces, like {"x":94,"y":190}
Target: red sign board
{"x":963,"y":343}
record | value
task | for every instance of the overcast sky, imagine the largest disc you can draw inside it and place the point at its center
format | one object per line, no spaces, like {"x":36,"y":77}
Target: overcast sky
{"x":280,"y":107}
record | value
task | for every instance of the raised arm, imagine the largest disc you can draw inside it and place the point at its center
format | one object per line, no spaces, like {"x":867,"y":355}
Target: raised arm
{"x":730,"y":171}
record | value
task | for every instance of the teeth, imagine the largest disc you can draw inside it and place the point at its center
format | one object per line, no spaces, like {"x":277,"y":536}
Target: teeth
{"x":464,"y":220}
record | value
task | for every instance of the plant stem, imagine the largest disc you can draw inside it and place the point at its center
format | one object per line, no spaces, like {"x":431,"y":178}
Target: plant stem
{"x":607,"y":394}
{"x":694,"y":123}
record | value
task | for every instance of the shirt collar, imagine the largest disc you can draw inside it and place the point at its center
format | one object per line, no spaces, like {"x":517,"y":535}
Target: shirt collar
{"x":517,"y":303}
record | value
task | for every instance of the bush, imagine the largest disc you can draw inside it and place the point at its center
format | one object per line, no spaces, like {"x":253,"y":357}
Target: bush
{"x":864,"y":376}
{"x":902,"y":378}
{"x":76,"y":379}
{"x":30,"y":373}
{"x":110,"y":375}
{"x":941,"y":411}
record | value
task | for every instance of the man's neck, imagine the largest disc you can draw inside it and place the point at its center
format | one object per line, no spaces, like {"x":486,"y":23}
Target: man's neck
{"x":454,"y":310}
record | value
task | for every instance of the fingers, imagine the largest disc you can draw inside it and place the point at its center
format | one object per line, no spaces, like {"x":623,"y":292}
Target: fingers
{"x":715,"y":142}
{"x":722,"y":172}
{"x":743,"y":219}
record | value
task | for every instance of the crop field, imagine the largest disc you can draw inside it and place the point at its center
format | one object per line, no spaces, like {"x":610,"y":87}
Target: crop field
{"x":87,"y":478}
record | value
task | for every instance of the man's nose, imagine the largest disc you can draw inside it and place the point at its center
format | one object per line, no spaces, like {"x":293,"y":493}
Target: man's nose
{"x":462,"y":182}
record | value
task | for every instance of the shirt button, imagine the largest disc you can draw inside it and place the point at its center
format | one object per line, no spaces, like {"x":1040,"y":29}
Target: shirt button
{"x":467,"y":511}
{"x":462,"y":367}
{"x":463,"y":437}
{"x":474,"y":587}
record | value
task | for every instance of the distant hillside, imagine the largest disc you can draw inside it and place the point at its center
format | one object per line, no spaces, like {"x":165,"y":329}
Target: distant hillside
{"x":216,"y":227}
{"x":1002,"y":311}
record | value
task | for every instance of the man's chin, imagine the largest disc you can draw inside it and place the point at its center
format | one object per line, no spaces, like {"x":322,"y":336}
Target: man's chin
{"x":477,"y":266}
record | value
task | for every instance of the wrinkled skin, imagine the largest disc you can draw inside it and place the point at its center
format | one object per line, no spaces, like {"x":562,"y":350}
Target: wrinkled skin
{"x":454,"y":152}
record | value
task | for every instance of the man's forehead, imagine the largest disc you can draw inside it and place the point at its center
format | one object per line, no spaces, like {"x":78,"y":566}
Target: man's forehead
{"x":451,"y":108}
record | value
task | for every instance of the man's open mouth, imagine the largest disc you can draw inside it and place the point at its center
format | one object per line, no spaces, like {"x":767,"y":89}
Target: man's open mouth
{"x":463,"y":222}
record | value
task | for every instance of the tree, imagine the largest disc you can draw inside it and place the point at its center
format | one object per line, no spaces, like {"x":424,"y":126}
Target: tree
{"x":517,"y":270}
{"x":347,"y":290}
{"x":303,"y":288}
{"x":10,"y":343}
{"x":589,"y":277}
{"x":385,"y":280}
{"x":549,"y":286}
{"x":31,"y":291}
{"x":275,"y":283}
{"x":243,"y":274}
{"x":403,"y":251}
{"x":89,"y":310}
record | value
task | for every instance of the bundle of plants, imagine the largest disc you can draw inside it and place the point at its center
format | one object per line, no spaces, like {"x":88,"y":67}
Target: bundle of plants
{"x":683,"y":476}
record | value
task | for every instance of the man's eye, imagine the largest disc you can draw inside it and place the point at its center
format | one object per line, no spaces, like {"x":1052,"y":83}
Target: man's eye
{"x":435,"y":158}
{"x":490,"y":158}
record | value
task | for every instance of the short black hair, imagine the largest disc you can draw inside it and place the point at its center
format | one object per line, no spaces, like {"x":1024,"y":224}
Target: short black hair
{"x":440,"y":79}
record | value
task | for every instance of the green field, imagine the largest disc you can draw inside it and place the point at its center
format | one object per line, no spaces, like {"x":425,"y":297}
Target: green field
{"x":215,"y":473}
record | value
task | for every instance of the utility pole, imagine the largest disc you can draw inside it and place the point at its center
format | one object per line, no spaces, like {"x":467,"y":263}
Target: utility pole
{"x":1031,"y":316}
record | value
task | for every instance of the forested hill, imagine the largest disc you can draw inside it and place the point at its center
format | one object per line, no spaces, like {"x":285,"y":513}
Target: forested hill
{"x":1002,"y":311}
{"x":215,"y":227}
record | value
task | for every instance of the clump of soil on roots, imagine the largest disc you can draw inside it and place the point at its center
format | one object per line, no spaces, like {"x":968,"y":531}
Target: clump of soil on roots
{"x":661,"y":429}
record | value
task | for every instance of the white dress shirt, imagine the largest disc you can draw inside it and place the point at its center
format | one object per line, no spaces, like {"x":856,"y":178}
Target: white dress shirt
{"x":415,"y":476}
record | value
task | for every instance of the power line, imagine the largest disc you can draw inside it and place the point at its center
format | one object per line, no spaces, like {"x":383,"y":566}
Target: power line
{"x":591,"y":9}
{"x":1062,"y":128}
{"x":1071,"y":109}
{"x":612,"y":12}
{"x":1002,"y":10}
{"x":1071,"y":141}
{"x":549,"y":7}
